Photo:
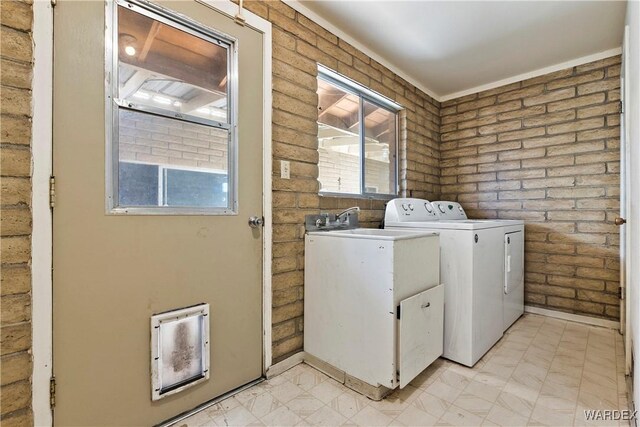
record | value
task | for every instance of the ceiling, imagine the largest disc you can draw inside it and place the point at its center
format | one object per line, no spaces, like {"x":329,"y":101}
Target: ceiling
{"x":449,"y":47}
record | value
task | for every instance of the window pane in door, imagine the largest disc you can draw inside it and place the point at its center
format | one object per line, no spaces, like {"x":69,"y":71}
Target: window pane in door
{"x":191,"y":162}
{"x":338,"y":139}
{"x":379,"y":149}
{"x":139,"y":184}
{"x":162,"y":67}
{"x":194,"y":188}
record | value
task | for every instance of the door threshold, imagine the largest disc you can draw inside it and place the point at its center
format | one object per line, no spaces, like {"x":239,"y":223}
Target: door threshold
{"x":210,"y":403}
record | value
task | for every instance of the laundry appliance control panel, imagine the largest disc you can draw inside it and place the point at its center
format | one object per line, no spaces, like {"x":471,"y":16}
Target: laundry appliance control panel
{"x":410,"y":210}
{"x":448,"y":210}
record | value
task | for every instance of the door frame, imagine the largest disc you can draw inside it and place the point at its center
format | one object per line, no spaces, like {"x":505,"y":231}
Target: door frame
{"x":625,"y":273}
{"x":42,"y":234}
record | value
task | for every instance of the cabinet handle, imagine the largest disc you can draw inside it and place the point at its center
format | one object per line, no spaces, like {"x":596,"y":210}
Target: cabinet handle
{"x":427,"y":305}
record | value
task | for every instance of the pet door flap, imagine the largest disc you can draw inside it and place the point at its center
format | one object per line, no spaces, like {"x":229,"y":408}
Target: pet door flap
{"x":179,"y":350}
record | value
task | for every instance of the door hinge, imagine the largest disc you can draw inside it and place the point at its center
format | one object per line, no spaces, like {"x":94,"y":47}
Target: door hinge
{"x":398,"y":312}
{"x":52,"y":191}
{"x":52,"y":392}
{"x":621,"y":107}
{"x":620,"y":292}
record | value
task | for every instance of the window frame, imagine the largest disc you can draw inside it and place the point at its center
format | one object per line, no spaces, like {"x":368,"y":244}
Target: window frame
{"x":113,"y":105}
{"x":365,"y":94}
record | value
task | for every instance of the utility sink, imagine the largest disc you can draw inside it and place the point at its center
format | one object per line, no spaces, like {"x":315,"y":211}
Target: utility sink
{"x":373,"y":306}
{"x":374,"y":233}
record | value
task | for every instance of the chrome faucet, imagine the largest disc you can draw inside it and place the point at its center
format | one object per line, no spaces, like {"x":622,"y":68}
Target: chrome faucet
{"x":346,"y":212}
{"x":326,"y":221}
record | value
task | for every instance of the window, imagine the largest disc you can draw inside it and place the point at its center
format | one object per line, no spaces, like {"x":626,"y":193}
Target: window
{"x":172,"y":145}
{"x":357,"y":138}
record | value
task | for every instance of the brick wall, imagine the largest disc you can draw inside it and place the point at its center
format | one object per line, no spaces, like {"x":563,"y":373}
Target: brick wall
{"x":546,"y":150}
{"x":15,"y":213}
{"x":298,"y":46}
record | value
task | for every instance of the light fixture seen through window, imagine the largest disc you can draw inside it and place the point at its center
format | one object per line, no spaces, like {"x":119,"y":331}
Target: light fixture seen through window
{"x":129,"y":43}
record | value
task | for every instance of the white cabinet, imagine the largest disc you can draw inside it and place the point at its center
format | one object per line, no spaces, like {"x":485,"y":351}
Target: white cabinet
{"x":373,"y":304}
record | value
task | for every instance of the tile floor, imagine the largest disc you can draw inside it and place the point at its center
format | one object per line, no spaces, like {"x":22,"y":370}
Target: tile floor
{"x":544,"y":371}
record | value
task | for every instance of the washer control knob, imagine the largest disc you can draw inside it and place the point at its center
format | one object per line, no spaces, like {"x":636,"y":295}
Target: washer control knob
{"x":410,"y":207}
{"x":441,"y":208}
{"x":404,"y":206}
{"x":427,"y":206}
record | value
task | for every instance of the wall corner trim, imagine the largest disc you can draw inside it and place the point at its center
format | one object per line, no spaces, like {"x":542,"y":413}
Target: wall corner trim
{"x":41,"y":243}
{"x":535,"y":73}
{"x":588,"y":320}
{"x":300,"y":7}
{"x":285,"y":365}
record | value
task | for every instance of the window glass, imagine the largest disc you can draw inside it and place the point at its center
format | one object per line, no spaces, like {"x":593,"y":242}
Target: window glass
{"x":379,"y":149}
{"x":169,"y":162}
{"x":173,"y":139}
{"x":194,"y":188}
{"x":357,"y":134}
{"x":338,"y":139}
{"x":139,"y":184}
{"x":163,"y":67}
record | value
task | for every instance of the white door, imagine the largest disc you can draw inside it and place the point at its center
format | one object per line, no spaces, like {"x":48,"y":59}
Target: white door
{"x":625,"y":200}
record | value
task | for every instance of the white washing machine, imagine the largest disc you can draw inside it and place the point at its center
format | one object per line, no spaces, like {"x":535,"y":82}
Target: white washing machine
{"x":471,"y":268}
{"x":513,"y":242}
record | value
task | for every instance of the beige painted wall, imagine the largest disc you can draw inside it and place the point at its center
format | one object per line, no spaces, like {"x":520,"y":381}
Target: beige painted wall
{"x":15,"y":211}
{"x":546,"y":150}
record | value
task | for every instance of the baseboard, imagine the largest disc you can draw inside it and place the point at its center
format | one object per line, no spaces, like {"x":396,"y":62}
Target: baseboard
{"x":285,"y":365}
{"x":631,"y":404}
{"x":630,"y":397}
{"x":595,"y":321}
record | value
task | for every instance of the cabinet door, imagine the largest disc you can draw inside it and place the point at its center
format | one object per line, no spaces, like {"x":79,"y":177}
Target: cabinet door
{"x":421,"y":331}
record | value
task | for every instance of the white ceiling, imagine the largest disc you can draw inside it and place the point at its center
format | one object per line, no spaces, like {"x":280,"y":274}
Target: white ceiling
{"x":451,"y":46}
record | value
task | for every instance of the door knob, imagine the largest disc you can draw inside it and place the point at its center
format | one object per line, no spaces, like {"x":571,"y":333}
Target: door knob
{"x":255,"y":222}
{"x":619,"y":221}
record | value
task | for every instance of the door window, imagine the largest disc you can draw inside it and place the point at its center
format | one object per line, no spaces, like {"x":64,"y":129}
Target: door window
{"x":171,"y":105}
